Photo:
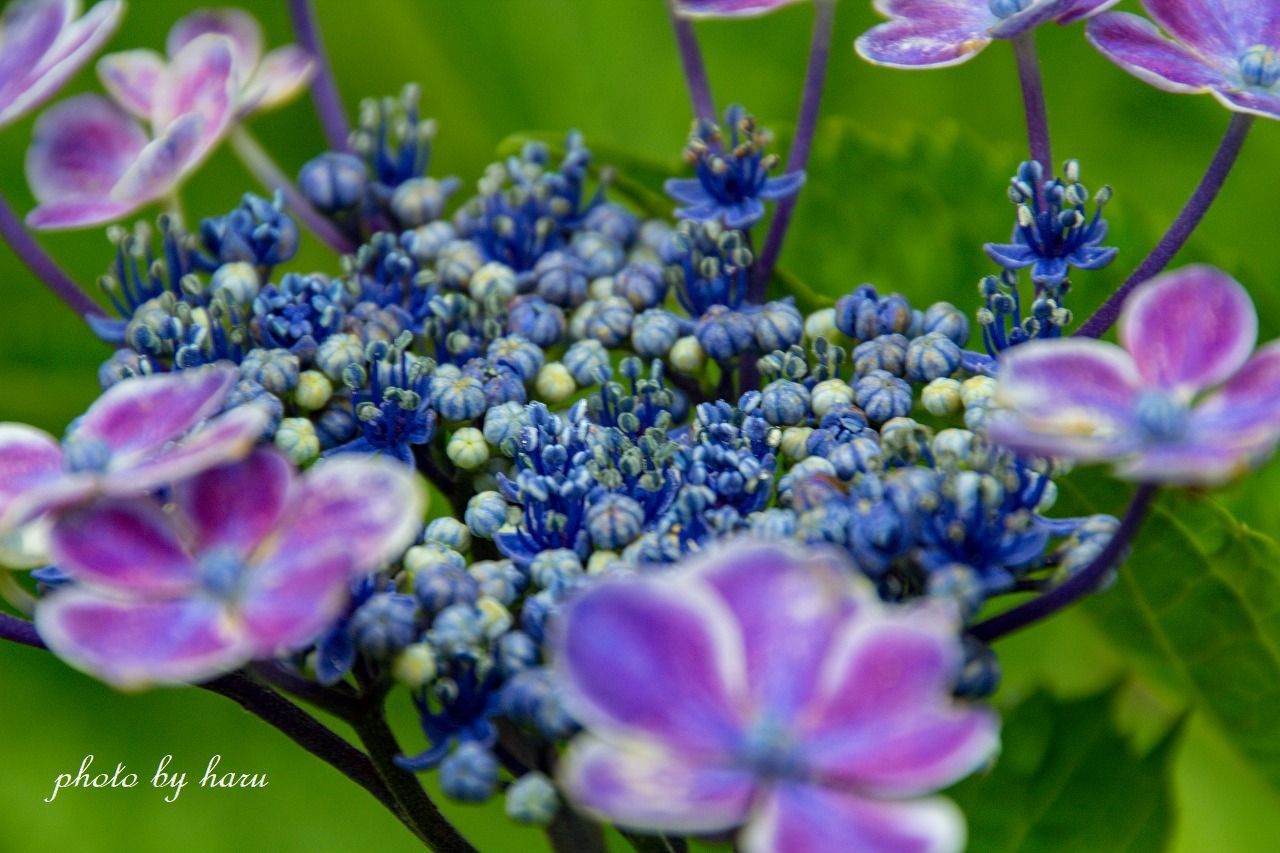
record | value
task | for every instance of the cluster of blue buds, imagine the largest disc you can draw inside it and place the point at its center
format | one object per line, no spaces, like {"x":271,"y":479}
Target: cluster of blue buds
{"x":541,"y":354}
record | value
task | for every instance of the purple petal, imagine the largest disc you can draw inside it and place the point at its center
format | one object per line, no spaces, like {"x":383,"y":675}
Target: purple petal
{"x":1247,"y":407}
{"x":644,"y":787}
{"x":27,"y":31}
{"x":1071,"y":398}
{"x":235,"y":506}
{"x":281,"y":77}
{"x":133,"y":644}
{"x":167,"y":159}
{"x":223,"y":439}
{"x":237,"y":25}
{"x":1189,"y":329}
{"x":744,"y":214}
{"x":1015,"y":255}
{"x":292,"y":597}
{"x":1252,"y":101}
{"x":908,"y":43}
{"x":126,"y":545}
{"x":782,"y":186}
{"x":654,"y":659}
{"x":1205,"y":460}
{"x":883,"y":720}
{"x":788,"y":604}
{"x":1082,"y":9}
{"x":30,"y":462}
{"x":141,"y":414}
{"x":1039,"y":12}
{"x":728,"y":8}
{"x":201,"y":81}
{"x":1216,"y":28}
{"x":797,"y":818}
{"x":369,"y":507}
{"x":1137,"y":46}
{"x":80,"y":148}
{"x":132,"y":78}
{"x":686,"y":190}
{"x":76,"y":43}
{"x":78,"y":213}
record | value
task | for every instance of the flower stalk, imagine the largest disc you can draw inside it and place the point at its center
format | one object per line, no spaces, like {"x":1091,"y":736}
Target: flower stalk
{"x":44,"y":267}
{"x":695,"y":72}
{"x":1033,"y":101}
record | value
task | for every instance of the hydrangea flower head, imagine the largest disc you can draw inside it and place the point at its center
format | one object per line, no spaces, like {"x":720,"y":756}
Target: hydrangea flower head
{"x":248,"y":562}
{"x":729,"y":8}
{"x":1228,"y":49}
{"x":762,"y":687}
{"x":939,"y":33}
{"x":1186,"y":400}
{"x":43,"y":43}
{"x":140,"y":434}
{"x":732,"y":180}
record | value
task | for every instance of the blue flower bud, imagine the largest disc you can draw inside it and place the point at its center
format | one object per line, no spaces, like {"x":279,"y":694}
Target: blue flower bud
{"x":614,"y":520}
{"x":723,"y":333}
{"x":247,"y":392}
{"x":276,"y":370}
{"x":333,"y":181}
{"x":654,"y":333}
{"x":947,"y":319}
{"x":503,"y":424}
{"x":425,"y":243}
{"x":600,"y":255}
{"x":448,"y":532}
{"x":606,"y":320}
{"x":515,"y":651}
{"x":585,"y":360}
{"x":778,"y":325}
{"x":532,"y":800}
{"x":457,"y":629}
{"x":858,"y":455}
{"x":498,"y":579}
{"x":457,"y":396}
{"x":236,"y":282}
{"x":932,"y":356}
{"x":420,"y":200}
{"x":561,"y":279}
{"x":456,"y":262}
{"x":469,"y":774}
{"x":486,"y":512}
{"x":531,"y":698}
{"x":536,"y":319}
{"x":467,"y":449}
{"x":296,"y":438}
{"x":493,"y":283}
{"x":440,"y":586}
{"x":614,"y":221}
{"x":785,"y":403}
{"x":338,"y":352}
{"x":885,"y":352}
{"x":557,"y":570}
{"x":641,"y":284}
{"x":882,"y":396}
{"x":535,"y":612}
{"x":384,"y":624}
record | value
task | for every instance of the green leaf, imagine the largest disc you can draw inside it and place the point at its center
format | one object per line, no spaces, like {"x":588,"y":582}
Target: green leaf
{"x":1067,"y":781}
{"x":1197,"y":608}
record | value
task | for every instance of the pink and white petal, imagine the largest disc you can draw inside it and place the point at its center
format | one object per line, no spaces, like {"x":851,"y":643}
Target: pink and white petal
{"x":370,"y":507}
{"x":1015,"y":433}
{"x":226,"y":438}
{"x":797,"y":818}
{"x":728,"y":8}
{"x":1082,"y":9}
{"x":1197,"y":463}
{"x":161,"y":167}
{"x":27,"y":32}
{"x":79,"y":149}
{"x":1039,"y":12}
{"x":1248,"y":405}
{"x":654,"y":659}
{"x":640,"y":785}
{"x":76,"y":45}
{"x":132,"y":78}
{"x":144,"y":413}
{"x":788,"y":604}
{"x":133,"y":644}
{"x":79,"y":213}
{"x":1137,"y":46}
{"x":906,"y":43}
{"x":292,"y":597}
{"x":1212,"y":28}
{"x":235,"y":506}
{"x":201,"y":81}
{"x":132,"y":546}
{"x":282,"y":76}
{"x":1251,"y":101}
{"x":1189,"y":329}
{"x":26,"y":547}
{"x":29,"y":458}
{"x":237,"y":25}
{"x":1076,"y":394}
{"x":944,"y":14}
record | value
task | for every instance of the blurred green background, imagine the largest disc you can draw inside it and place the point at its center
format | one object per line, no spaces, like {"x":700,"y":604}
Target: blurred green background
{"x":906,"y":183}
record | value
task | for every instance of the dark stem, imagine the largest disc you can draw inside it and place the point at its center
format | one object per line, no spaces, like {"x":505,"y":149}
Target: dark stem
{"x":1024,"y":49}
{"x":432,"y":826}
{"x":1078,"y":585}
{"x":695,"y":73}
{"x":324,"y":90}
{"x":1176,"y":237}
{"x":570,"y":832}
{"x":39,"y":262}
{"x":656,"y":843}
{"x":335,"y":700}
{"x":271,"y":708}
{"x":798,"y":158}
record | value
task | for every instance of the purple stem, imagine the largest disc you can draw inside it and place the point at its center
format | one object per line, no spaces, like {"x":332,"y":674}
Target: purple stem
{"x":1176,"y":237}
{"x":798,"y":158}
{"x":695,"y":73}
{"x":268,"y":706}
{"x":1024,"y":49}
{"x":1078,"y":585}
{"x":324,"y":90}
{"x":45,"y":268}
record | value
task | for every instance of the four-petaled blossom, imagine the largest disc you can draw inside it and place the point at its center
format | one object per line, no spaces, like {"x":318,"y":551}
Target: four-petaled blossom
{"x":732,"y":180}
{"x":138,"y":436}
{"x":1229,"y":49}
{"x":135,"y":78}
{"x":765,"y":687}
{"x":90,"y":162}
{"x":43,"y":43}
{"x":939,"y":33}
{"x":728,"y":8}
{"x":246,"y":561}
{"x":1185,"y":333}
